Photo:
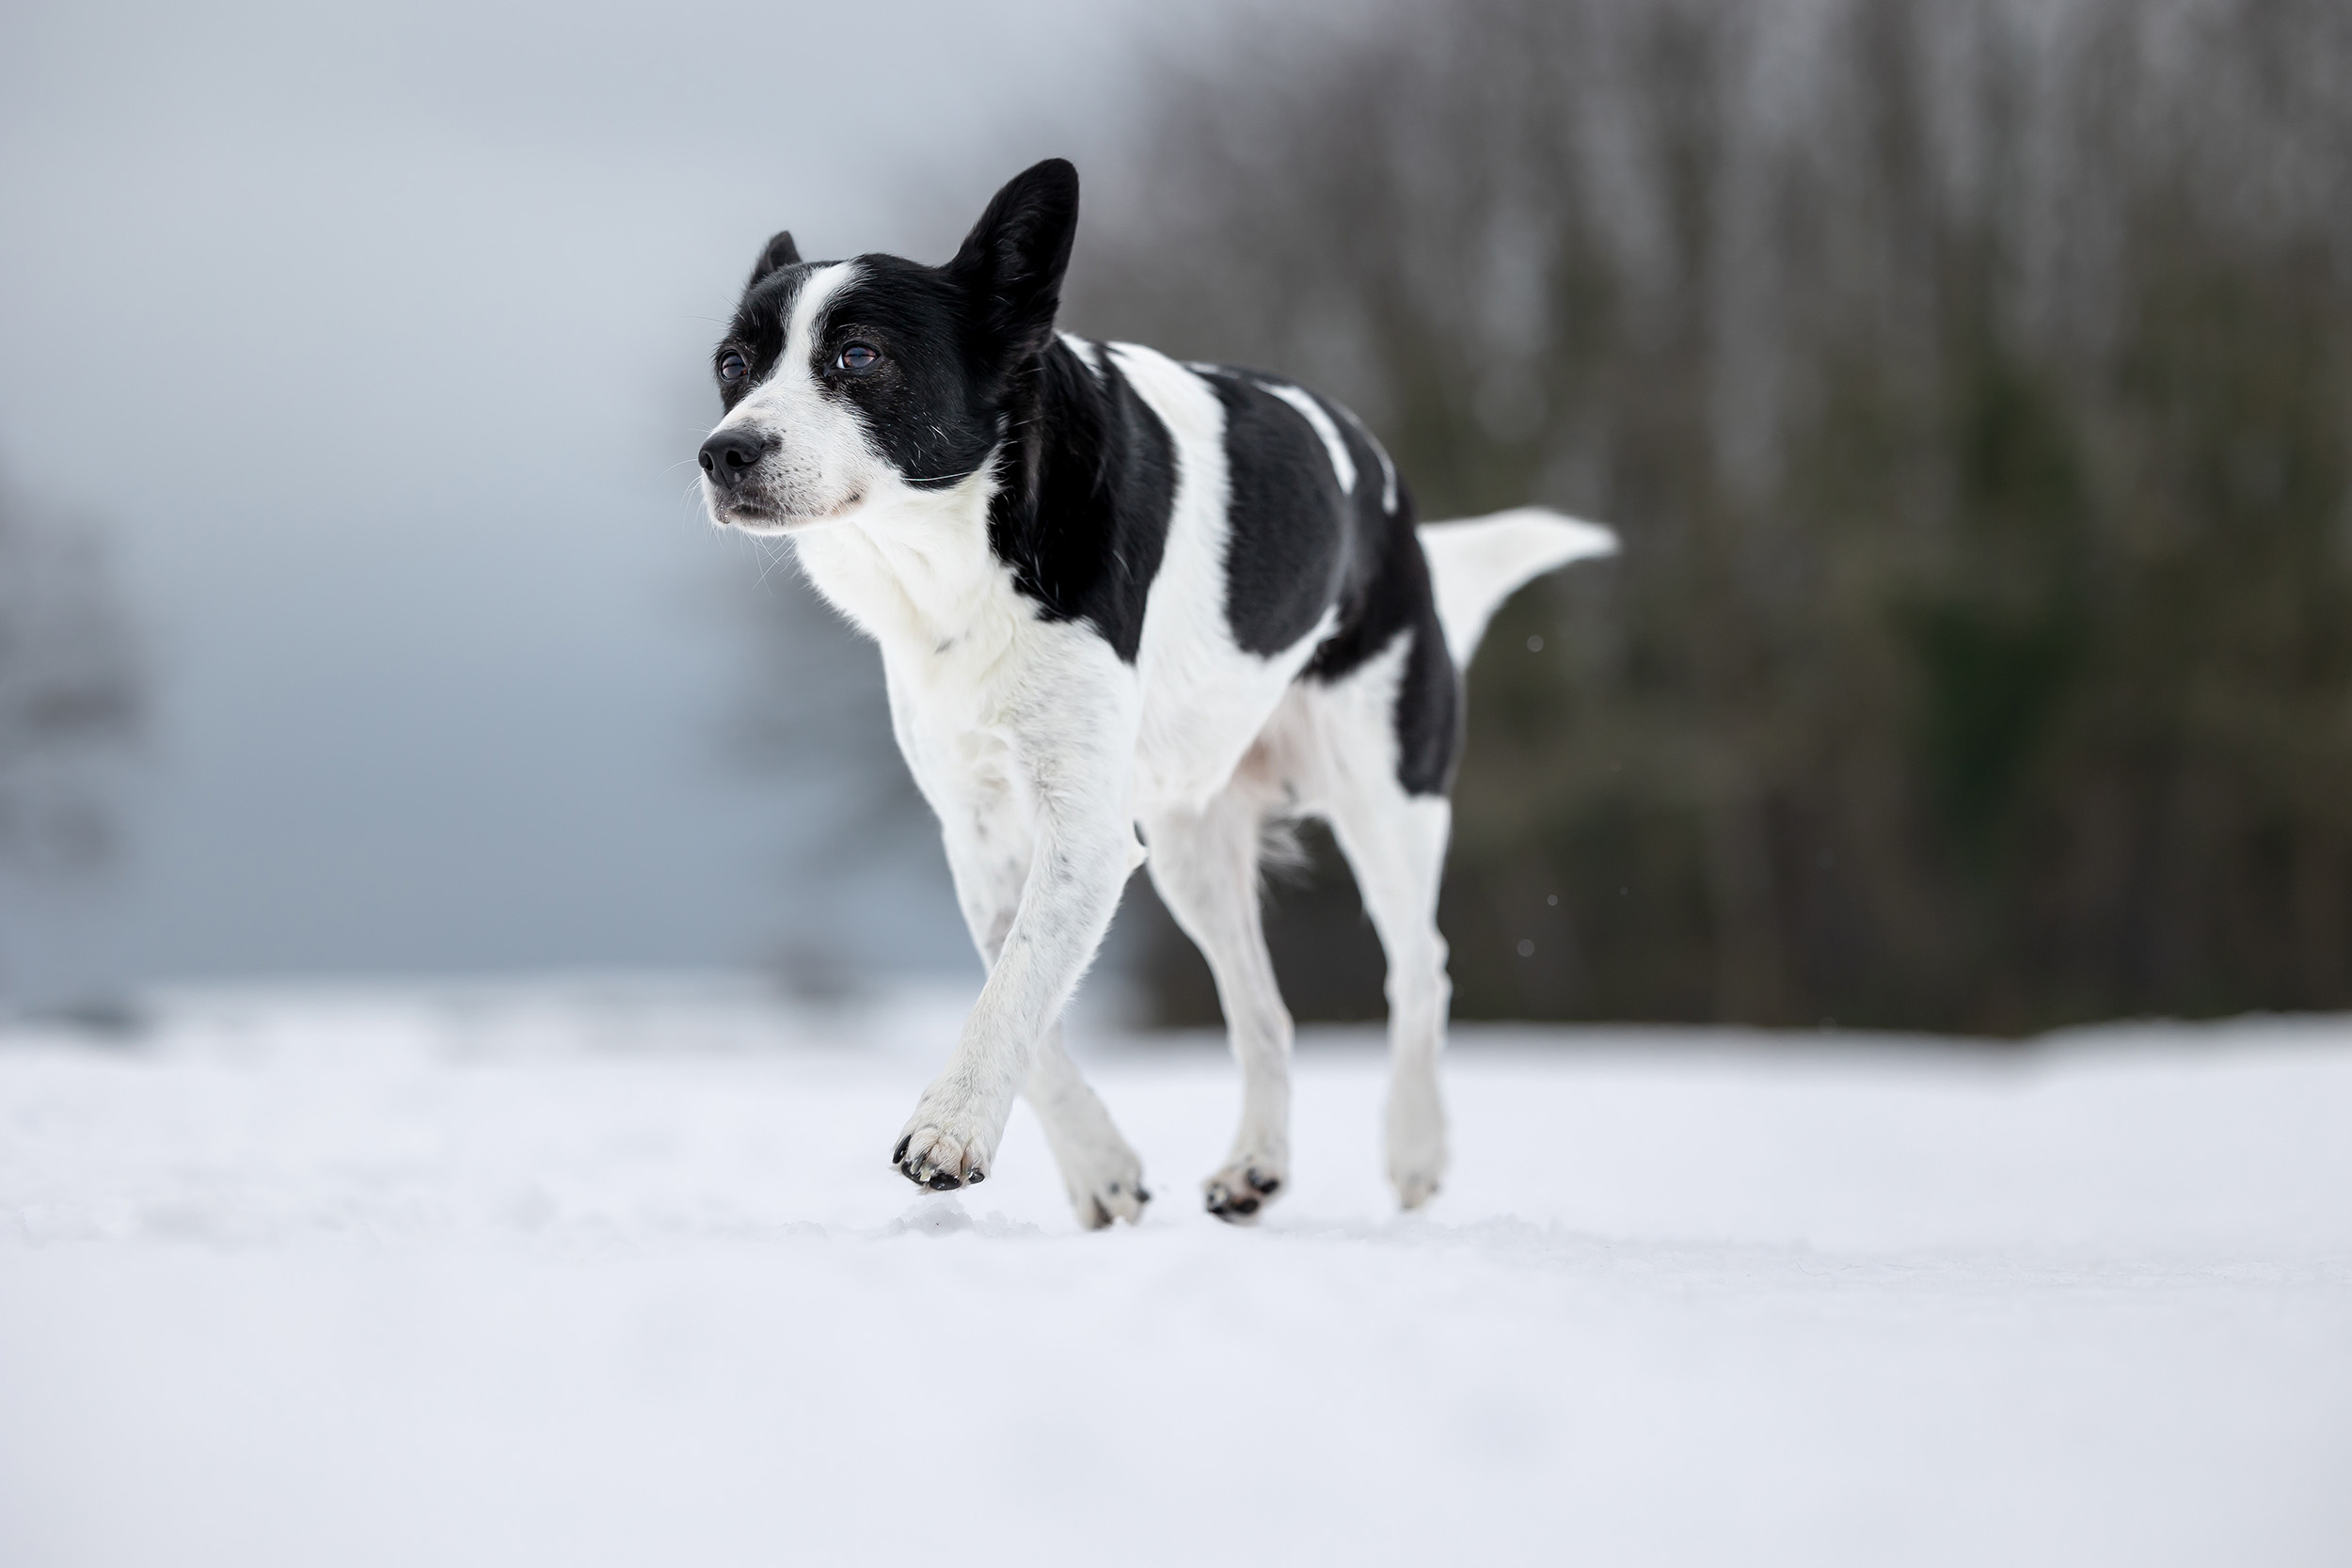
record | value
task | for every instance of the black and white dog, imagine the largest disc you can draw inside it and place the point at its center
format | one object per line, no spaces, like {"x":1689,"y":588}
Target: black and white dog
{"x":1116,"y":591}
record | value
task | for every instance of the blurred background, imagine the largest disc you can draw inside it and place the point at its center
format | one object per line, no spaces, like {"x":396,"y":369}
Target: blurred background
{"x":1971,"y":382}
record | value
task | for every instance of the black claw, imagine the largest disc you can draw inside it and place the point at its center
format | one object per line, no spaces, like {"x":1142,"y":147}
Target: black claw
{"x":1228,"y":1204}
{"x":1228,"y":1209}
{"x":1264,"y":1183}
{"x":976,"y":1178}
{"x":899,"y":1153}
{"x":1102,"y":1217}
{"x":940,"y":1181}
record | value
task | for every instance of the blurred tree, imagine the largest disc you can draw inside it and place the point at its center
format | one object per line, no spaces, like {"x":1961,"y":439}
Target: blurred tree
{"x":70,"y":695}
{"x":1971,"y":382}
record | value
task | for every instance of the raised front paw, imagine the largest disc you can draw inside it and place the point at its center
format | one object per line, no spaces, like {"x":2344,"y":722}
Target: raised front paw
{"x":1237,"y":1193}
{"x":942,"y":1154}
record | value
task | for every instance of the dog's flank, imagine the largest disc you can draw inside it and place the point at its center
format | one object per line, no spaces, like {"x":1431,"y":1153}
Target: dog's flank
{"x":1113,"y":591}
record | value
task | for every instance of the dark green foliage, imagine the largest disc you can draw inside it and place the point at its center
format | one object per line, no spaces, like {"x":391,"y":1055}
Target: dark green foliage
{"x":1974,"y":405}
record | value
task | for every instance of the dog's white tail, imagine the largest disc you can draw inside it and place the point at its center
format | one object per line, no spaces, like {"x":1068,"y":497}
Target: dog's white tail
{"x":1476,"y":564}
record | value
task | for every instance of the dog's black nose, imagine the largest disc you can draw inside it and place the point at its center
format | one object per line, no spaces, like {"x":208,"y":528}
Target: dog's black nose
{"x":727,"y":457}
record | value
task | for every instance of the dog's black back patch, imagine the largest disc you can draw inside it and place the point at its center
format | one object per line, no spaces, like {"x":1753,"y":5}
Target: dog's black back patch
{"x":1299,"y":546}
{"x":1292,"y":533}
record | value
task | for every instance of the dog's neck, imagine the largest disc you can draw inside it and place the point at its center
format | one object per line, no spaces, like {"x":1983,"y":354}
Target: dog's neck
{"x":912,"y":568}
{"x":923,"y":568}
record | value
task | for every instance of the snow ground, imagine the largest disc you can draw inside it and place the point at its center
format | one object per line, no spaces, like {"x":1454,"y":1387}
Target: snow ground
{"x":582,"y":1275}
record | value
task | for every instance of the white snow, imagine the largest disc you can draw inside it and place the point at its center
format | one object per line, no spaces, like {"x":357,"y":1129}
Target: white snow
{"x":582,"y":1275}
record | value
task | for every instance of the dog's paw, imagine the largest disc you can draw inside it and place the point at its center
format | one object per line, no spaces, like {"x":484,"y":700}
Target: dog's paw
{"x":1417,"y":1152}
{"x":942,"y":1151}
{"x":1237,"y":1193}
{"x":1120,"y":1198}
{"x":1413,"y":1187}
{"x":1105,"y":1183}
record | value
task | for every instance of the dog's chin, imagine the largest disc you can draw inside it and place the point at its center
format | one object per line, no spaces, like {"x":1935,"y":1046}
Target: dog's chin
{"x":759,"y":525}
{"x":768,"y":520}
{"x":758,"y":518}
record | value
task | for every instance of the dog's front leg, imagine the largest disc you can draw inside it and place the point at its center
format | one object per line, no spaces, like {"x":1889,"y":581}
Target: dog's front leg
{"x":1073,"y":748}
{"x":985,"y":832}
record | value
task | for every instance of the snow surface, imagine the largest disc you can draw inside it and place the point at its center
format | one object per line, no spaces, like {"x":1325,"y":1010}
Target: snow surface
{"x":590,"y":1275}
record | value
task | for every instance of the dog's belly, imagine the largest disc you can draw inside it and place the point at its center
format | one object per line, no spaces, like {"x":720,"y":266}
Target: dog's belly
{"x":1204,"y":704}
{"x":1195,"y":721}
{"x":1197,"y":710}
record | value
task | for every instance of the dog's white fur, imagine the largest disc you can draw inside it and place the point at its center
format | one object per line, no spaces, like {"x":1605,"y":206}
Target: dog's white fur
{"x":1042,"y":752}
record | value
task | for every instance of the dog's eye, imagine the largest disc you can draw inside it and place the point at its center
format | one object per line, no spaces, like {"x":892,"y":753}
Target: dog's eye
{"x":732,"y":367}
{"x":860,"y":357}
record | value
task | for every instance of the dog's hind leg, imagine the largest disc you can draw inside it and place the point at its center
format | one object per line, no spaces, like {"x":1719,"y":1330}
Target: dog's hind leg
{"x":1205,"y":866}
{"x":1395,"y":842}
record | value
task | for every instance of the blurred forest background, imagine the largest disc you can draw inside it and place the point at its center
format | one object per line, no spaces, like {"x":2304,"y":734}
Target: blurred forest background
{"x":1970,"y":380}
{"x":1971,"y":383}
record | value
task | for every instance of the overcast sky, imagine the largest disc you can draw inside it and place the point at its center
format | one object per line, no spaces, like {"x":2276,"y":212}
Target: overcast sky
{"x":375,"y":336}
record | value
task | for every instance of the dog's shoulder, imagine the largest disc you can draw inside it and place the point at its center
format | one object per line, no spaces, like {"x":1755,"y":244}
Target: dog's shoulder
{"x":1085,"y":497}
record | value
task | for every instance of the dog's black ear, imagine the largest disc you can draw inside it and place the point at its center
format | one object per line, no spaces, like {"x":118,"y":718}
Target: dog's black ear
{"x":779,"y":252}
{"x":1011,"y":264}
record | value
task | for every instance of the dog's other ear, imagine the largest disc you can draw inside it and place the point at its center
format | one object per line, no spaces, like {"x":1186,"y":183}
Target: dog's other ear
{"x":779,"y":252}
{"x":1011,"y":264}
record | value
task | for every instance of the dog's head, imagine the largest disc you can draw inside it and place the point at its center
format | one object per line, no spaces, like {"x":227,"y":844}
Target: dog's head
{"x":849,"y":383}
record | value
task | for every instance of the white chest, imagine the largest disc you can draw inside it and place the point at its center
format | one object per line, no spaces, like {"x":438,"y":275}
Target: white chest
{"x":976,"y":674}
{"x":971,"y":667}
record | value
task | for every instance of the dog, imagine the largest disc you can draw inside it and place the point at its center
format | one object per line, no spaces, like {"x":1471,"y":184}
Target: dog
{"x":1113,"y":593}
